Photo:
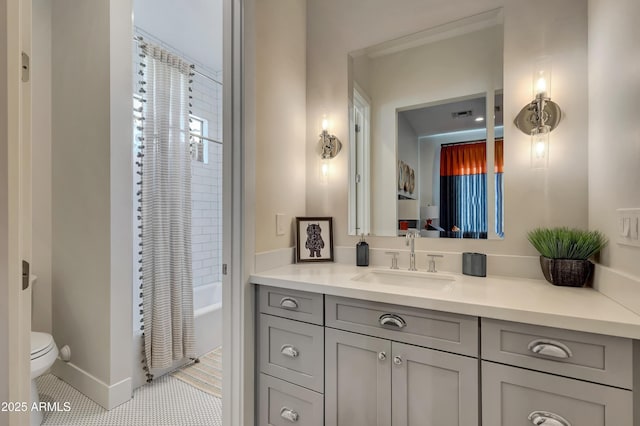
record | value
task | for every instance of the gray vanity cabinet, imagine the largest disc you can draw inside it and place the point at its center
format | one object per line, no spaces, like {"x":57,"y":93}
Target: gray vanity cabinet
{"x":357,"y":379}
{"x":582,"y":379}
{"x":336,"y":361}
{"x":290,"y":358}
{"x":433,"y":388}
{"x":517,"y":397}
{"x":376,"y":382}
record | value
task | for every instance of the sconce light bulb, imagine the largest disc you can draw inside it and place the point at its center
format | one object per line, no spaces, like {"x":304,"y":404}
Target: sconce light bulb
{"x":325,"y":169}
{"x":325,"y":124}
{"x":541,"y":85}
{"x":540,"y":147}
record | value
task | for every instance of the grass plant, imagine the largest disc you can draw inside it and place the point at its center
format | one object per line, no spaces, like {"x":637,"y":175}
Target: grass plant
{"x":566,"y":243}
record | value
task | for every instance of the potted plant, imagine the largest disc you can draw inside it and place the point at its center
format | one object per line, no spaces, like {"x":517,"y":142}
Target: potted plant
{"x":564,"y":254}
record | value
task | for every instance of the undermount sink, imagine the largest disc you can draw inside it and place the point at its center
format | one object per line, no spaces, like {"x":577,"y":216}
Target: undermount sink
{"x":404,"y":278}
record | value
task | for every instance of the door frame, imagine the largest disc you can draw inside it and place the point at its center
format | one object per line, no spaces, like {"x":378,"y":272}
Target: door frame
{"x":359,"y":160}
{"x":238,"y":221}
{"x":15,"y":209}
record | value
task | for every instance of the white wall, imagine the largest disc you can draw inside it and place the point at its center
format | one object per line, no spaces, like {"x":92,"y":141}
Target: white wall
{"x":280,"y":90}
{"x":178,"y":20}
{"x":614,"y":128}
{"x":429,"y":173}
{"x":408,"y":151}
{"x":41,"y":160}
{"x":92,"y":195}
{"x":407,"y":144}
{"x":557,"y":196}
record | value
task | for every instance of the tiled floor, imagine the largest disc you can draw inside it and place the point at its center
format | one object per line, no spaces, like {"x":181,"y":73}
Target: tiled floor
{"x":165,"y":402}
{"x":205,"y":375}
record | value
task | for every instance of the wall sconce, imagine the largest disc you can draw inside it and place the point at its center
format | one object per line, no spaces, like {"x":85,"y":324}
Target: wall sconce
{"x":540,"y":116}
{"x":329,"y":145}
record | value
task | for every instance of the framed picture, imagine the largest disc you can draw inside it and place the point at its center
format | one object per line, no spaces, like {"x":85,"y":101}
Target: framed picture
{"x":314,"y":239}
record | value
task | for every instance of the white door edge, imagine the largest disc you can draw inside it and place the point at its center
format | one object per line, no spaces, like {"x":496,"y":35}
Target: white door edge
{"x":17,"y":316}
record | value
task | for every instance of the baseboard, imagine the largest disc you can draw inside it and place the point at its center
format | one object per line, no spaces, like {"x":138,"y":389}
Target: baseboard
{"x":108,"y":396}
{"x":621,"y":287}
{"x":274,"y":258}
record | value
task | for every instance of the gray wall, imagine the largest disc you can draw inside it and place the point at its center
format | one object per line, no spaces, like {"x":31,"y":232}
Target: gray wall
{"x":281,"y":101}
{"x":41,"y":158}
{"x":92,"y":195}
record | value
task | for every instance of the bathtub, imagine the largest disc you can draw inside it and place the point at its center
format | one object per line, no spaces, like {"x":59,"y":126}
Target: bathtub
{"x":207,"y":312}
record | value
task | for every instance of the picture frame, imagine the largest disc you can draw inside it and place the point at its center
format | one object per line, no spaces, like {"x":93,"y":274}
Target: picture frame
{"x":314,"y":239}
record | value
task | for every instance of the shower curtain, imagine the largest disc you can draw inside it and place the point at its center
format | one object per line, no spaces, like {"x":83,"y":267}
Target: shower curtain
{"x":165,"y":208}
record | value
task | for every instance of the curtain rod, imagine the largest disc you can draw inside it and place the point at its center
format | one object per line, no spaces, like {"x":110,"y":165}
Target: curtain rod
{"x":469,"y":142}
{"x":137,"y":40}
{"x":195,"y":135}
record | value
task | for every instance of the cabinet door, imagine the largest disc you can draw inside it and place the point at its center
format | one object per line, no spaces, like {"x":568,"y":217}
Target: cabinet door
{"x":358,"y":380}
{"x":433,"y":388}
{"x":282,"y":404}
{"x":516,"y":397}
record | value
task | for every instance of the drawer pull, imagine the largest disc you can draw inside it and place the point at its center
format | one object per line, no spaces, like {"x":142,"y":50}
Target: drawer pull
{"x":547,"y":419}
{"x":289,"y":414}
{"x":392,"y":320}
{"x":289,"y":303}
{"x":382,"y":356}
{"x":290,"y":351}
{"x":550,"y":348}
{"x":397,"y":360}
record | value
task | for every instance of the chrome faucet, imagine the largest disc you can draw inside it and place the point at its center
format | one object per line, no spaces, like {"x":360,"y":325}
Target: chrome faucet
{"x":432,"y":262}
{"x":411,"y":235}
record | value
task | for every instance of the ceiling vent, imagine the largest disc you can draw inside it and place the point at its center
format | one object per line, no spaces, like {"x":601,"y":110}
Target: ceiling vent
{"x":461,"y":114}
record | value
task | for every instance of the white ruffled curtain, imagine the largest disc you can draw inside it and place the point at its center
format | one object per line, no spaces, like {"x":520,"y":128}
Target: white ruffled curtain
{"x":165,"y":208}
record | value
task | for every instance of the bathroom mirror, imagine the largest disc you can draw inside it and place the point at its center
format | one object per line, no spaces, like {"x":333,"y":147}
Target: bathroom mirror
{"x":426,"y":141}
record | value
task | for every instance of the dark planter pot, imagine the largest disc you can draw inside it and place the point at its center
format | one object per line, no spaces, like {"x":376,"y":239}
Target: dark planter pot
{"x":567,"y":272}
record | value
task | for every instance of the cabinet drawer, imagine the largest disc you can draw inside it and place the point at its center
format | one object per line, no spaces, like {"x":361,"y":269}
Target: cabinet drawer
{"x":282,"y":404}
{"x":593,"y":357}
{"x":438,"y":330}
{"x":294,"y":304}
{"x":293,"y":351}
{"x":517,"y":397}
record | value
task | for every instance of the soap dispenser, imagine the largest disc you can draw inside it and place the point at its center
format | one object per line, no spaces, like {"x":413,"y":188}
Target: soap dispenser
{"x":362,"y":252}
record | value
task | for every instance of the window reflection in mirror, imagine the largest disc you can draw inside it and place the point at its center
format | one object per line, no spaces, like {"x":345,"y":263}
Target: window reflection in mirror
{"x":393,"y":189}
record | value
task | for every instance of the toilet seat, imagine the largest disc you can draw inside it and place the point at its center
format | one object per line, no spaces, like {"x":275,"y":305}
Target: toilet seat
{"x":41,"y":344}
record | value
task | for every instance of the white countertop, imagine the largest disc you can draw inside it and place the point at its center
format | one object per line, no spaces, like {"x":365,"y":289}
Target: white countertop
{"x":512,"y":299}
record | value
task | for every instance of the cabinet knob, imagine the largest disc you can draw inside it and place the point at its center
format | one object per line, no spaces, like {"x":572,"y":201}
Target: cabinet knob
{"x":289,"y":414}
{"x":548,"y":419}
{"x":382,"y":356}
{"x":397,"y":360}
{"x":290,"y":351}
{"x":289,"y":303}
{"x":550,"y":348}
{"x":392,"y":320}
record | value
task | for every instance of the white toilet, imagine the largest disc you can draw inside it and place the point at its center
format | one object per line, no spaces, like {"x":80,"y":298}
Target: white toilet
{"x":43,"y":354}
